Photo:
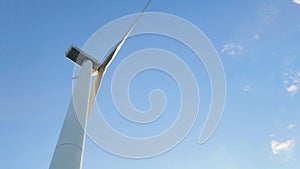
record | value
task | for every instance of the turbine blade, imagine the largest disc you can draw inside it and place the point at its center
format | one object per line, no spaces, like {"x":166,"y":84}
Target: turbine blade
{"x":112,"y":55}
{"x":95,"y":90}
{"x":109,"y":59}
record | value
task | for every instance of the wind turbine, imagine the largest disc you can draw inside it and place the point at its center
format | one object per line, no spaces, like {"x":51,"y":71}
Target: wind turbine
{"x":70,"y":145}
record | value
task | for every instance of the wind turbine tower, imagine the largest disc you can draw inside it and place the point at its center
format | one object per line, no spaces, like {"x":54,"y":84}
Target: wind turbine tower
{"x":70,"y":145}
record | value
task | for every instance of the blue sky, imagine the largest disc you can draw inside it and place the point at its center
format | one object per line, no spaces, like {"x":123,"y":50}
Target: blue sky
{"x":259,"y":45}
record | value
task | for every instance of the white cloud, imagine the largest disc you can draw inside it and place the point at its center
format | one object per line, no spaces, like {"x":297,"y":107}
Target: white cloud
{"x":282,"y":147}
{"x":272,"y":135}
{"x":296,"y":1}
{"x":256,"y":37}
{"x":269,"y":13}
{"x":291,"y":126}
{"x":247,"y":88}
{"x":292,"y":82}
{"x":292,"y":89}
{"x":286,"y":82}
{"x":232,"y":49}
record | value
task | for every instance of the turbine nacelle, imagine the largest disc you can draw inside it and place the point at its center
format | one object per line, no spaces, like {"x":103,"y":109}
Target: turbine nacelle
{"x":78,"y":56}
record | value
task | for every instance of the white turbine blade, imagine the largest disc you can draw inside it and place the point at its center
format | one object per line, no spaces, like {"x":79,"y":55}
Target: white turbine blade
{"x":109,"y":59}
{"x":95,"y":90}
{"x":112,"y":55}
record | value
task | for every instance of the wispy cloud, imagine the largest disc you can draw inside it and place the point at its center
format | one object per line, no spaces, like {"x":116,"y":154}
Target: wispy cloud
{"x":247,"y":88}
{"x":232,"y":49}
{"x":292,"y":82}
{"x":290,"y":126}
{"x":282,"y":147}
{"x":269,"y":13}
{"x":256,"y":36}
{"x":296,"y":1}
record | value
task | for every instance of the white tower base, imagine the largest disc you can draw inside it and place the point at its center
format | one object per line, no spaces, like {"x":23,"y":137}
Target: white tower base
{"x":69,"y":148}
